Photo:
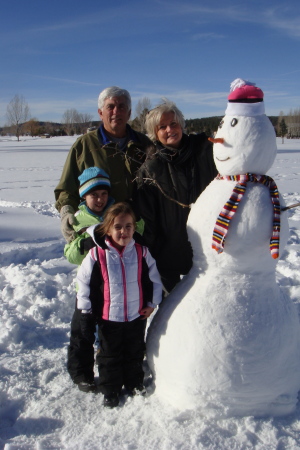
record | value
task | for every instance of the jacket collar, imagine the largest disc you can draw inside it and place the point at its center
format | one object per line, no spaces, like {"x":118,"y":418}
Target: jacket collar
{"x":83,"y":207}
{"x":104,"y":138}
{"x":105,"y":243}
{"x":125,"y":249}
{"x":175,"y":156}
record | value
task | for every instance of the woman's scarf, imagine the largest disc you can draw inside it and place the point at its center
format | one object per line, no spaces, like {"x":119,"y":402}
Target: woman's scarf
{"x":183,"y":159}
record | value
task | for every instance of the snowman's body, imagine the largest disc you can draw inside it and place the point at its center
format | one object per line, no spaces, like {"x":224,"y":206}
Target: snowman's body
{"x":226,"y":338}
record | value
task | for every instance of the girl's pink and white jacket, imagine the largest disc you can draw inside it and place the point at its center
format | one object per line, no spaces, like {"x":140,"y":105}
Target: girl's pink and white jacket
{"x":117,"y":285}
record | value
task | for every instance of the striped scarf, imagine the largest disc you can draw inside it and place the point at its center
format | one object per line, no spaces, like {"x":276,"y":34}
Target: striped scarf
{"x":230,"y":207}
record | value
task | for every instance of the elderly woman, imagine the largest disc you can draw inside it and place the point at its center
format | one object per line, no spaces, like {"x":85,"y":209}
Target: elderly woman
{"x":177,"y":169}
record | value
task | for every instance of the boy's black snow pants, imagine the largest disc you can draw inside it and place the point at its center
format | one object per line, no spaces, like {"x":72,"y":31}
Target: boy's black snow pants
{"x":80,"y":352}
{"x":122,"y":353}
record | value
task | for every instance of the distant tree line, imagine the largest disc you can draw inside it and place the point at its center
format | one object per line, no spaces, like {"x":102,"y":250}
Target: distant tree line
{"x":73,"y":122}
{"x":209,"y":125}
{"x":289,"y":125}
{"x":19,"y":121}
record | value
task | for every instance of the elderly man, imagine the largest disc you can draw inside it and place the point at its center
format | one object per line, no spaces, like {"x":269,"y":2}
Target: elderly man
{"x":114,"y":147}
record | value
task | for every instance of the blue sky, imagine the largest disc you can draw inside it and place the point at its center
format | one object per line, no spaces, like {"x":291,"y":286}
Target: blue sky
{"x":61,"y":54}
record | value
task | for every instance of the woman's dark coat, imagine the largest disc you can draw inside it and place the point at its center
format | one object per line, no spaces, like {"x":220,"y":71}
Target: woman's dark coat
{"x":182,"y":177}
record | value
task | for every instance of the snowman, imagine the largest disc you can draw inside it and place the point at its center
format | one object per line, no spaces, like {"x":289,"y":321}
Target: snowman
{"x":227,"y":340}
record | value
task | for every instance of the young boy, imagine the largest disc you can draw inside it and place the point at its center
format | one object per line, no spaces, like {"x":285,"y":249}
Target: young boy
{"x":94,"y":190}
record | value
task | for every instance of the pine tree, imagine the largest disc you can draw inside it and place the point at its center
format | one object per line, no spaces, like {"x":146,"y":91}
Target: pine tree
{"x":282,"y":129}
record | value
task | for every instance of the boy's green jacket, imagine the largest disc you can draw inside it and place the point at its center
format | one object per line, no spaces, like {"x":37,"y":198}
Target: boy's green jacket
{"x":84,"y":218}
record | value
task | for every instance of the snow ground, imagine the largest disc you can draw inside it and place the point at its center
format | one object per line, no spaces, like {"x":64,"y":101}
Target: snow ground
{"x":39,"y":406}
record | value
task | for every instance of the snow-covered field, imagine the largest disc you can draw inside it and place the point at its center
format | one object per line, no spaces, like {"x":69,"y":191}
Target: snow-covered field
{"x":39,"y":406}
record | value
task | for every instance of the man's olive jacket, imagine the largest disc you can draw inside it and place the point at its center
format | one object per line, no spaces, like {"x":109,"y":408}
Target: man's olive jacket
{"x":90,"y":150}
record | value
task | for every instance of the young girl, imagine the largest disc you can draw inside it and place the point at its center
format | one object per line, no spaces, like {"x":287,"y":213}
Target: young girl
{"x":118,"y":287}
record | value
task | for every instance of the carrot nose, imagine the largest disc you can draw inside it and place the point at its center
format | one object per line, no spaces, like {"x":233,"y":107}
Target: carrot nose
{"x":216,"y":140}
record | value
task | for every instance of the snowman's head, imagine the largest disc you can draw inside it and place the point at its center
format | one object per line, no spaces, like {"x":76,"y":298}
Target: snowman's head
{"x":249,"y":145}
{"x":245,"y":141}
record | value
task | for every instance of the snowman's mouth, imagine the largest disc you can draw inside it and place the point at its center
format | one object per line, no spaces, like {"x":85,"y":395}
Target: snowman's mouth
{"x":226,"y":159}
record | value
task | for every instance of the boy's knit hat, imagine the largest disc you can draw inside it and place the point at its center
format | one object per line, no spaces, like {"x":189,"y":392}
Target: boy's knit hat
{"x":92,"y":179}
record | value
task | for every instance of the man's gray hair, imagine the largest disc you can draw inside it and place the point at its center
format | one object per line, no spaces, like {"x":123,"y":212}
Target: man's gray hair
{"x":153,"y":117}
{"x":113,"y":91}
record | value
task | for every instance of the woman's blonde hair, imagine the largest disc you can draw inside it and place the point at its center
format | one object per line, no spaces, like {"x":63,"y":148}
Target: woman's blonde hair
{"x":110,"y":215}
{"x":154,"y":115}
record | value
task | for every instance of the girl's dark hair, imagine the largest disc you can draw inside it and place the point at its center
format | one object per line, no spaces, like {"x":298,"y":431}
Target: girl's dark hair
{"x":110,"y":215}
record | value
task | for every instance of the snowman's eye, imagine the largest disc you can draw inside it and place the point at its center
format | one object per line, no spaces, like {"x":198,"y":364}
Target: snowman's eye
{"x":234,"y":122}
{"x":221,"y":123}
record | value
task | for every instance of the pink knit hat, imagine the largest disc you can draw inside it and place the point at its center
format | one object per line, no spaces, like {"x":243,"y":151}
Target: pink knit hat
{"x":245,"y":99}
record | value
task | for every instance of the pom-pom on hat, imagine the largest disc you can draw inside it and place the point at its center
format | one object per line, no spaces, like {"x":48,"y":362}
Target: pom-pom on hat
{"x":245,"y":99}
{"x":92,"y":179}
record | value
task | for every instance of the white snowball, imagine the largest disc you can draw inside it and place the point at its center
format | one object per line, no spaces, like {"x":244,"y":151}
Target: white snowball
{"x":249,"y":145}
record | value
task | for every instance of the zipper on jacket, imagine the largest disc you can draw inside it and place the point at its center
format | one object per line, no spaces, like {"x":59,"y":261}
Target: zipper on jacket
{"x":124,"y":288}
